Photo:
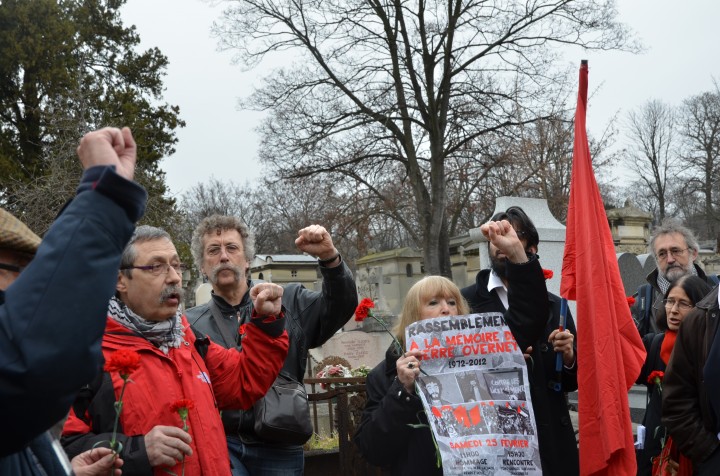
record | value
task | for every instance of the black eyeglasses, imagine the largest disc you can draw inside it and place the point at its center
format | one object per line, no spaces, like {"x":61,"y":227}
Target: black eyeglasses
{"x":12,"y":267}
{"x":159,"y":268}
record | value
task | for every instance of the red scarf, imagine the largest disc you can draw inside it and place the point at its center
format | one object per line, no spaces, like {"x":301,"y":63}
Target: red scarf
{"x":667,"y":345}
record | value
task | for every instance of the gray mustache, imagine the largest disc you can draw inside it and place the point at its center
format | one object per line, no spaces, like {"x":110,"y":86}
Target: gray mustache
{"x":235,"y":269}
{"x":171,"y":291}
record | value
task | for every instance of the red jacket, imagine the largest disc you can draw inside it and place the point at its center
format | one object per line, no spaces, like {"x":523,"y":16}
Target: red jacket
{"x":239,"y":378}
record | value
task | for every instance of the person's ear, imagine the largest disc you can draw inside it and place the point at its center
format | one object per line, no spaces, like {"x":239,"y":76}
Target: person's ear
{"x":121,"y":285}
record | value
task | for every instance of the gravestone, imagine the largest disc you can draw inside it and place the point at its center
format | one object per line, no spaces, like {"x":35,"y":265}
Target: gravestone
{"x":356,"y":346}
{"x":203,"y":293}
{"x":648,"y":263}
{"x":631,"y":272}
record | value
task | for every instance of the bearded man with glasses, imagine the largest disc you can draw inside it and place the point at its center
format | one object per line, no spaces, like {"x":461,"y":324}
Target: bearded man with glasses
{"x":675,"y":249}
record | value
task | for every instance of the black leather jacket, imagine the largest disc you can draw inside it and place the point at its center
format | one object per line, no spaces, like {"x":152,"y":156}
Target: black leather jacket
{"x":311,"y":318}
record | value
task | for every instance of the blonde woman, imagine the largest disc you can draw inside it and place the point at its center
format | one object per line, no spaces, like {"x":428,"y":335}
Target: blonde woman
{"x":384,"y":436}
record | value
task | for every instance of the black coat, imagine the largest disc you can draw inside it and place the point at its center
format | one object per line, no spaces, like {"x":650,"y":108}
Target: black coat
{"x":653,"y":410}
{"x":52,"y":317}
{"x":556,"y":436}
{"x":687,"y":395}
{"x":384,"y":436}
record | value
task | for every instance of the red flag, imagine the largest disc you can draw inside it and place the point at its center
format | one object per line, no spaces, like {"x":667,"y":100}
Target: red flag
{"x":610,"y":351}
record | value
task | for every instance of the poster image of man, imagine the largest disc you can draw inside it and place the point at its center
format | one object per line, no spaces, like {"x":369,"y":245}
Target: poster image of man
{"x":439,"y":390}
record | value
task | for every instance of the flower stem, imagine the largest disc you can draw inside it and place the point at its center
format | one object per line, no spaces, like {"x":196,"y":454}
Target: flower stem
{"x":118,"y":409}
{"x":186,"y":428}
{"x":395,"y":341}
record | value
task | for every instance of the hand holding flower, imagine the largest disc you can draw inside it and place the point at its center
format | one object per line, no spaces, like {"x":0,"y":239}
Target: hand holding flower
{"x":182,"y":407}
{"x":167,"y":445}
{"x":97,"y":462}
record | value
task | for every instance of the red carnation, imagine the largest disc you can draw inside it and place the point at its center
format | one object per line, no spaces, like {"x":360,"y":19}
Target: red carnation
{"x":656,"y":376}
{"x":123,"y":362}
{"x":364,"y":309}
{"x":630,"y":301}
{"x":548,"y":273}
{"x":183,"y":404}
{"x":361,"y":313}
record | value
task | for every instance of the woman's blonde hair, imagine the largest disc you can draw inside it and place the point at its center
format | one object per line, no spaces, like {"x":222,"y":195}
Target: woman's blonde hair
{"x":427,"y":287}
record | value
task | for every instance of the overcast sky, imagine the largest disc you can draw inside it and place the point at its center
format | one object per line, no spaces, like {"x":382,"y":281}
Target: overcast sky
{"x":219,"y":140}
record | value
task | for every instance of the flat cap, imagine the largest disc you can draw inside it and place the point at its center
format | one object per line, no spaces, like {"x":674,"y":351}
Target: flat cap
{"x":15,"y":235}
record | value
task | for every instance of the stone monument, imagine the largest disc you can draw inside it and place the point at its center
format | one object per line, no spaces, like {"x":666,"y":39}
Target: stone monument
{"x":630,"y":228}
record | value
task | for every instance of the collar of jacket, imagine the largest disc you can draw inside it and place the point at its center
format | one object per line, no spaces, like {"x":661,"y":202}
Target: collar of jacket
{"x":225,"y":307}
{"x":118,"y":337}
{"x":710,"y":301}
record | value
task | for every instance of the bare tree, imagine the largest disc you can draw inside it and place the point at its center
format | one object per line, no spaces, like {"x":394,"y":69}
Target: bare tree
{"x":700,"y":126}
{"x":275,"y":211}
{"x":388,"y":88}
{"x":653,"y":155}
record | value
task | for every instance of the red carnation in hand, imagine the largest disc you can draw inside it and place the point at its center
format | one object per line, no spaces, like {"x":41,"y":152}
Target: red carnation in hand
{"x":548,"y":273}
{"x":182,"y":407}
{"x":123,"y":362}
{"x":364,"y":309}
{"x":630,"y":301}
{"x":183,"y":404}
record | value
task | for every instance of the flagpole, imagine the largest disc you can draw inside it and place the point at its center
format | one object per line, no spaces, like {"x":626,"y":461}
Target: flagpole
{"x":561,"y":326}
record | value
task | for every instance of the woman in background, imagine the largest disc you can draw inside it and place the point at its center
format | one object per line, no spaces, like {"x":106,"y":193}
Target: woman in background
{"x":680,"y":299}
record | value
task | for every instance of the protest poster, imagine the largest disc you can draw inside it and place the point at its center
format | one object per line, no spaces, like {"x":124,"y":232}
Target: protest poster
{"x":476,"y":395}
